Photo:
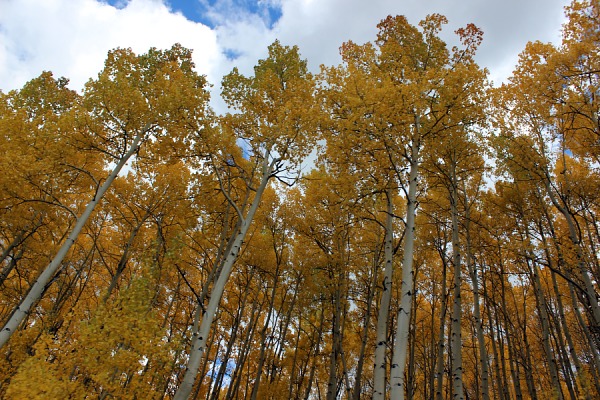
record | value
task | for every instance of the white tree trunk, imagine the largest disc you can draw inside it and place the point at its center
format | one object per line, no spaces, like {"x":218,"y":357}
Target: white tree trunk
{"x":397,"y":382}
{"x":456,"y":338}
{"x":483,"y":357}
{"x":38,"y":288}
{"x":199,"y":338}
{"x":441,"y":343}
{"x":384,"y":306}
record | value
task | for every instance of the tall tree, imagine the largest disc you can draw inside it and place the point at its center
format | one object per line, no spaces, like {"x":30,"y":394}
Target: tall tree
{"x":390,"y":101}
{"x":276,"y":135}
{"x":551,"y":114}
{"x":433,"y":92}
{"x":117,"y":125}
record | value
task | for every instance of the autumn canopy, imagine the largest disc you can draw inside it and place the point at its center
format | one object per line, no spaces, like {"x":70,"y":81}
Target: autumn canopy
{"x":393,"y":227}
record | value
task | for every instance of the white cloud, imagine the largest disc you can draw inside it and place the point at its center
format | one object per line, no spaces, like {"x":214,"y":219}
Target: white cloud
{"x":320,"y":27}
{"x":72,"y":38}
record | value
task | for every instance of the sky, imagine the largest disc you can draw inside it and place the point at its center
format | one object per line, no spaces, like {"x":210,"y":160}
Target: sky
{"x":72,"y":37}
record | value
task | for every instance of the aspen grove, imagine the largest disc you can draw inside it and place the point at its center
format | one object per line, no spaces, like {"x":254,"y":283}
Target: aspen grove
{"x":393,"y":227}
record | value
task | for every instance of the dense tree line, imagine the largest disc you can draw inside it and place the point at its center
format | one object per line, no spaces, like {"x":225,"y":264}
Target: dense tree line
{"x":442,"y":243}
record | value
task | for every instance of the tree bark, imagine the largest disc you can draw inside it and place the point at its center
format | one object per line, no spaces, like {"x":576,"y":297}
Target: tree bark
{"x":39,"y":286}
{"x":472,"y":268}
{"x":365,"y":332}
{"x":379,"y":371}
{"x":456,"y":338}
{"x":199,"y":338}
{"x":397,"y":381}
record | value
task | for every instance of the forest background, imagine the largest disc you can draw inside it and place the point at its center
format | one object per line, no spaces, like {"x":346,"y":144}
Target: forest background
{"x":443,"y":245}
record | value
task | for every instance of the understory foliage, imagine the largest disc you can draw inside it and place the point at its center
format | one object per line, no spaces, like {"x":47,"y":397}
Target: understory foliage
{"x":392,"y":227}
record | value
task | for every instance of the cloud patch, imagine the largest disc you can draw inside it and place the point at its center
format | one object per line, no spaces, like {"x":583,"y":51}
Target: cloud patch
{"x":72,"y":38}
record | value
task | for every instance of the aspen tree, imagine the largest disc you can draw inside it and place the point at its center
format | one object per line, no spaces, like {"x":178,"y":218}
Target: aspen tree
{"x":274,"y":126}
{"x":551,"y":98}
{"x":428,"y":122}
{"x":118,"y":113}
{"x":45,"y":187}
{"x":403,"y":109}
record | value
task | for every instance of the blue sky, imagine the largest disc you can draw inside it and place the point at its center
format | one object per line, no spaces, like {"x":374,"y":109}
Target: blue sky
{"x":208,"y":12}
{"x":193,"y":10}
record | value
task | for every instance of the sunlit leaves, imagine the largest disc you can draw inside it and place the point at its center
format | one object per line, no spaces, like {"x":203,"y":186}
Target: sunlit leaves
{"x":306,"y":279}
{"x":157,"y":93}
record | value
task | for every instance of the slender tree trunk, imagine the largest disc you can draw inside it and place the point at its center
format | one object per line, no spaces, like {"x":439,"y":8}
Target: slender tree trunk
{"x":263,"y":337}
{"x":544,"y":319}
{"x":293,"y":379}
{"x":561,"y":313}
{"x":496,"y":358}
{"x":441,"y":343}
{"x":570,"y":345}
{"x":472,"y":268}
{"x":224,"y":361}
{"x":365,"y":332}
{"x":456,"y":338}
{"x":39,"y":286}
{"x":592,"y":297}
{"x":18,"y":240}
{"x":593,"y":250}
{"x":283,"y":331}
{"x":503,"y":378}
{"x":344,"y":318}
{"x":236,"y":377}
{"x":448,"y":372}
{"x":433,"y":346}
{"x":199,"y":338}
{"x":212,"y":341}
{"x":564,"y":363}
{"x":381,"y":344}
{"x":8,"y":268}
{"x":586,"y":332}
{"x":397,"y":381}
{"x":566,"y":330}
{"x":505,"y":340}
{"x":515,"y":373}
{"x":124,"y":258}
{"x":410,"y":381}
{"x":313,"y":367}
{"x":528,"y":366}
{"x":437,"y":378}
{"x":332,"y":385}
